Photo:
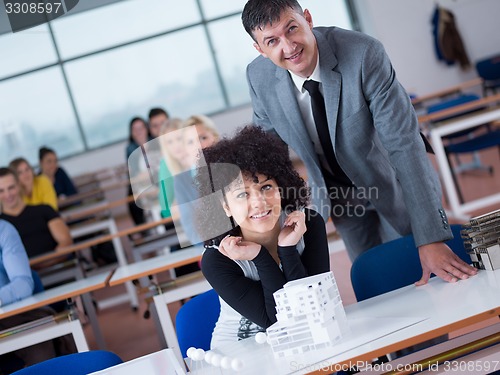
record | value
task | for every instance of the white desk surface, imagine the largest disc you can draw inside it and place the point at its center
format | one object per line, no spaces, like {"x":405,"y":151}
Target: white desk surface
{"x":425,"y":312}
{"x":56,"y":294}
{"x":78,"y":210}
{"x":157,"y":264}
{"x":162,"y":362}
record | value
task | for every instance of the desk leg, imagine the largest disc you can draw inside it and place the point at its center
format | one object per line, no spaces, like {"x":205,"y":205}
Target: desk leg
{"x":122,"y":261}
{"x":156,"y":318}
{"x":90,"y":310}
{"x":167,"y":327}
{"x":445,"y":171}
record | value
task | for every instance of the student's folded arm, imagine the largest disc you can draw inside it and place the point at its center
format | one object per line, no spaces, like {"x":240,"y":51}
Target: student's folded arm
{"x":252,"y":299}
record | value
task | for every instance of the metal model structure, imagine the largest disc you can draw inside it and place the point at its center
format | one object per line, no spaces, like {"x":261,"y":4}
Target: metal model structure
{"x":310,"y":316}
{"x":482,"y":240}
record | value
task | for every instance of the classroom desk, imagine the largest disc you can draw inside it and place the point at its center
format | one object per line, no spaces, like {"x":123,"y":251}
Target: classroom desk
{"x":410,"y":315}
{"x":80,"y":211}
{"x":96,"y":208}
{"x":437,"y":133}
{"x":184,"y":287}
{"x":47,"y":297}
{"x":447,"y":91}
{"x":110,"y":226}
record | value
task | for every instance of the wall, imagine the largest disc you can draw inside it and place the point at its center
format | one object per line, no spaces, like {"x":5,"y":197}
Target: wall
{"x":404,"y":27}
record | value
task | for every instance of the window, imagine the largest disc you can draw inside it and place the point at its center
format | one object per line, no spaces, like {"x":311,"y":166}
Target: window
{"x":40,"y":116}
{"x":231,"y":64}
{"x":119,"y":23}
{"x":26,"y":50}
{"x":213,"y":9}
{"x":127,"y":81}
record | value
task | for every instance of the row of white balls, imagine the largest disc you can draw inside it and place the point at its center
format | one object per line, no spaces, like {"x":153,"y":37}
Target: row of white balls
{"x":217,"y":360}
{"x":214,"y":359}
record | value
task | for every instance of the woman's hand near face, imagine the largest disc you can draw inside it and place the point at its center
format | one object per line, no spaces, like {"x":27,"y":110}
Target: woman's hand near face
{"x":293,"y":229}
{"x":236,"y":249}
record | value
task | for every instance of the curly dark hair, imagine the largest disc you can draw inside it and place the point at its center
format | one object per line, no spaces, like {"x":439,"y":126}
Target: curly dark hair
{"x":250,"y":152}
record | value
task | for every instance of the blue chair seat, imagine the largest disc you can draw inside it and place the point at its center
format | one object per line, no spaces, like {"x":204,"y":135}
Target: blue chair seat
{"x":481,"y":142}
{"x":73,"y":364}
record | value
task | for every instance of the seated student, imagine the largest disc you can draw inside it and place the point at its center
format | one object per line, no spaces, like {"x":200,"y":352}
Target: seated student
{"x":138,"y":136}
{"x":198,"y":132}
{"x":173,"y":152}
{"x":274,"y":238}
{"x":40,"y":227}
{"x":157,"y":117}
{"x":35,"y":189}
{"x":16,"y":283}
{"x":49,"y":167}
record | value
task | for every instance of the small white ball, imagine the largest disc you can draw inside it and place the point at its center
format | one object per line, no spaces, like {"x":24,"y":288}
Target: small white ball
{"x":190,"y":352}
{"x":261,"y":337}
{"x":236,"y":364}
{"x":225,"y":363}
{"x":216,"y":358}
{"x":208,"y":357}
{"x":199,"y":354}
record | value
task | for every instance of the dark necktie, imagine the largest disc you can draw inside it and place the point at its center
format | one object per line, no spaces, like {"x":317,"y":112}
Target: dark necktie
{"x":321,"y":122}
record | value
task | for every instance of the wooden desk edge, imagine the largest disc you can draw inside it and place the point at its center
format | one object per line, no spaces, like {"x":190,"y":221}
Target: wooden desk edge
{"x":459,"y":109}
{"x":447,"y":91}
{"x":52,"y":300}
{"x":155,"y":270}
{"x":95,"y":210}
{"x":108,"y":237}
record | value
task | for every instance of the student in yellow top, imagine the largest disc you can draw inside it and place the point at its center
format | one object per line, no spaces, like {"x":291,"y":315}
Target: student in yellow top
{"x":35,"y":189}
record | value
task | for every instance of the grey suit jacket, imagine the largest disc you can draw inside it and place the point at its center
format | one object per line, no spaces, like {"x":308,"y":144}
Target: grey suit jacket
{"x":373,"y":127}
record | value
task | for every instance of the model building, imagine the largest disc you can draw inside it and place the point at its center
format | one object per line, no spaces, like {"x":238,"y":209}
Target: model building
{"x":310,"y":316}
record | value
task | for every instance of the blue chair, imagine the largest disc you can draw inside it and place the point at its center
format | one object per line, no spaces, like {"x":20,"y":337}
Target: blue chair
{"x":401,"y":257}
{"x":196,"y":320}
{"x":489,"y":70}
{"x":38,"y":287}
{"x":74,"y":364}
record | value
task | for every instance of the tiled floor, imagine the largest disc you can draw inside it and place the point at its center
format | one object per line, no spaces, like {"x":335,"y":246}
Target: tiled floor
{"x":129,"y":335}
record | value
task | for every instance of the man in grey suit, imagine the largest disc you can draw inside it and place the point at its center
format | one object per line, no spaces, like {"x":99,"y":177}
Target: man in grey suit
{"x":366,"y":161}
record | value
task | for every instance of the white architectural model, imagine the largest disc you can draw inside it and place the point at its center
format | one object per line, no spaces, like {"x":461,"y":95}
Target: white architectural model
{"x":310,"y":316}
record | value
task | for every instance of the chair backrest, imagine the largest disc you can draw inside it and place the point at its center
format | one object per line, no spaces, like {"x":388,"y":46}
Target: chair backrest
{"x":38,"y":282}
{"x":489,"y":68}
{"x":75,"y":364}
{"x":393,"y":265}
{"x":196,"y":320}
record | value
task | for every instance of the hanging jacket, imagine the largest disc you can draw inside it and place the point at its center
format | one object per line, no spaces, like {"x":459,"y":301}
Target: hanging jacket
{"x":447,"y":40}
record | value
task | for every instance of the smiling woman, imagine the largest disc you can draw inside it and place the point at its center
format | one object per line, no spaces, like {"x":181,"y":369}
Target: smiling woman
{"x":273,"y":238}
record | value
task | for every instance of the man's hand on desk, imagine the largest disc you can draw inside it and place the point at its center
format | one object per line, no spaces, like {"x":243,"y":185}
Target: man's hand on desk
{"x":439,"y":259}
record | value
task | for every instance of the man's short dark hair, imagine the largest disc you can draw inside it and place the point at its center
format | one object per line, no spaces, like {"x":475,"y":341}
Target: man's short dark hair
{"x":157,"y":111}
{"x":259,"y":13}
{"x":4,"y":171}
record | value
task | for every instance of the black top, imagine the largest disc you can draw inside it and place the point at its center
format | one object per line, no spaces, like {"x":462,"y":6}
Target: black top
{"x":63,"y":184}
{"x":254,"y":299}
{"x":32,"y":225}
